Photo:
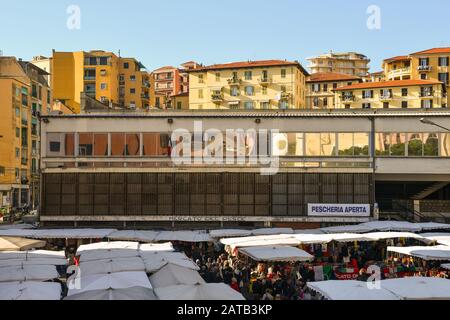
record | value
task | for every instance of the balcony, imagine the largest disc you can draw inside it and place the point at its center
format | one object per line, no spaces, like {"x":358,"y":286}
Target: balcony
{"x":234,"y":81}
{"x":424,"y":68}
{"x":427,"y":94}
{"x":89,"y":78}
{"x":265,"y":81}
{"x":146,"y":84}
{"x":145,"y":96}
{"x":217,"y":97}
{"x":399,"y":73}
{"x":348,"y":98}
{"x":285,"y":96}
{"x":386,"y":96}
{"x":121,"y":82}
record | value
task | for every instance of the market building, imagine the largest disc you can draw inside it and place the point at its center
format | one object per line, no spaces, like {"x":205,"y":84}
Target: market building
{"x":300,"y":169}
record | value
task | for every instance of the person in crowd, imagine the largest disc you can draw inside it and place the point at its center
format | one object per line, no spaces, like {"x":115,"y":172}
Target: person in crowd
{"x":235,"y":285}
{"x":267,"y":295}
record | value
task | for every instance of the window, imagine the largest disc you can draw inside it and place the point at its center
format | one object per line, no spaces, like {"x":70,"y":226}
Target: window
{"x":423,"y":76}
{"x":404,"y":92}
{"x":284,"y":105}
{"x":217,"y":77}
{"x":103,"y":86}
{"x":155,"y":144}
{"x":366,"y":105}
{"x":415,"y":145}
{"x":132,"y":147}
{"x":264,"y":90}
{"x":117,"y":144}
{"x":398,"y":144}
{"x":335,"y":85}
{"x":24,"y":96}
{"x":386,"y":105}
{"x":201,"y":79}
{"x":367,"y":94}
{"x":132,"y":78}
{"x":265,"y":105}
{"x":283,"y":73}
{"x":2,"y":171}
{"x":316,"y":102}
{"x":132,"y":90}
{"x":283,"y":88}
{"x":353,"y":144}
{"x":445,"y":144}
{"x":248,"y":75}
{"x":443,"y":77}
{"x":430,"y":145}
{"x":17,"y":173}
{"x":55,"y":146}
{"x":382,"y":144}
{"x":200,"y":94}
{"x":427,"y":104}
{"x":17,"y":153}
{"x":443,"y":61}
{"x":103,"y":61}
{"x":234,"y":92}
{"x":100,"y":144}
{"x":325,"y":102}
{"x":248,"y":105}
{"x":179,"y":107}
{"x":126,"y":65}
{"x":249,"y":90}
{"x":89,"y":74}
{"x":404,"y":104}
{"x":85,"y":144}
{"x":315,"y":87}
{"x":424,"y":62}
{"x":325,"y":87}
{"x":17,"y":133}
{"x":34,"y":91}
{"x":17,"y":110}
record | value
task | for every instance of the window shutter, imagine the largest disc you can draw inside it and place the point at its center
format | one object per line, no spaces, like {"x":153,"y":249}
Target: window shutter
{"x":371,"y":93}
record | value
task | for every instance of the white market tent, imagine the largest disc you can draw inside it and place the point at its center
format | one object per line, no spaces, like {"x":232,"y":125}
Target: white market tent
{"x":185,"y":236}
{"x":350,"y":290}
{"x":446,"y":266}
{"x":419,"y":288}
{"x":108,"y":246}
{"x":156,"y":260}
{"x":441,"y":238}
{"x":152,"y":247}
{"x":35,"y":254}
{"x":58,"y":233}
{"x":172,"y":275}
{"x":372,"y":226}
{"x":30,"y":290}
{"x":112,"y":265}
{"x":276,"y":253}
{"x":108,"y":250}
{"x":20,"y":244}
{"x":134,"y":235}
{"x":32,"y":262}
{"x":359,"y":228}
{"x":426,"y":253}
{"x":16,"y":226}
{"x":134,"y":293}
{"x":205,"y":291}
{"x":28,"y":273}
{"x":118,"y":280}
{"x":271,"y":240}
{"x":228,"y":233}
{"x":309,"y":231}
{"x":272,"y":231}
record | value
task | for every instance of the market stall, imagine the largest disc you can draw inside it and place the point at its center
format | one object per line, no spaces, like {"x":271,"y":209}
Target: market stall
{"x":134,"y":293}
{"x":198,"y":292}
{"x":173,"y":275}
{"x":30,"y":290}
{"x":276,"y":253}
{"x":19,"y":244}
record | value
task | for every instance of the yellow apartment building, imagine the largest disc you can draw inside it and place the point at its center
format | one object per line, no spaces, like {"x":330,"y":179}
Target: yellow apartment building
{"x":267,"y":84}
{"x":351,"y":63}
{"x":181,"y":101}
{"x":101,"y":75}
{"x":397,"y":68}
{"x":406,"y":94}
{"x":321,"y":86}
{"x":24,"y":94}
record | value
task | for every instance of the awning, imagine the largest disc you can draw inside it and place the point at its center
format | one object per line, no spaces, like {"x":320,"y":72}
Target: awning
{"x":350,"y":290}
{"x":419,"y":288}
{"x":134,"y":293}
{"x":225,"y":233}
{"x":16,"y":243}
{"x":156,"y":260}
{"x":276,"y":253}
{"x":185,"y":236}
{"x":28,"y":273}
{"x":198,"y":292}
{"x":134,"y":235}
{"x":112,"y":265}
{"x":441,"y":253}
{"x":172,"y":275}
{"x":30,"y":290}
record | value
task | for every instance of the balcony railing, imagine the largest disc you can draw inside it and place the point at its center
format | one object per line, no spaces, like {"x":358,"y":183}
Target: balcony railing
{"x":265,"y":81}
{"x":285,"y":95}
{"x":399,"y":72}
{"x":427,"y":94}
{"x":217,"y":97}
{"x":145,"y":96}
{"x":348,"y":98}
{"x":89,"y":78}
{"x":424,"y":68}
{"x":234,"y":81}
{"x":386,"y":96}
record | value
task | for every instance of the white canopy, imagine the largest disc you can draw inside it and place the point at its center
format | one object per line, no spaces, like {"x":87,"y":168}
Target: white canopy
{"x":350,"y":228}
{"x":350,"y":290}
{"x":185,"y":236}
{"x":108,"y":250}
{"x":276,"y":253}
{"x":441,"y":238}
{"x":350,"y":237}
{"x":155,"y":260}
{"x":419,"y":288}
{"x":205,"y":291}
{"x":58,"y":233}
{"x":287,"y":239}
{"x":386,"y":226}
{"x":172,"y":275}
{"x":28,"y":273}
{"x":118,"y":280}
{"x":426,"y":253}
{"x":152,"y":247}
{"x":433,"y":226}
{"x":225,"y":233}
{"x":30,"y":290}
{"x":134,"y":293}
{"x":16,"y":226}
{"x":32,"y":262}
{"x":272,"y":231}
{"x":134,"y":235}
{"x":35,"y":254}
{"x":309,"y":231}
{"x":112,"y":265}
{"x":446,"y":266}
{"x":17,"y":243}
{"x":108,"y":246}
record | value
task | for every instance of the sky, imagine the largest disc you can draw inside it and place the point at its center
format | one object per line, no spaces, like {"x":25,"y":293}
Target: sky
{"x":170,"y":32}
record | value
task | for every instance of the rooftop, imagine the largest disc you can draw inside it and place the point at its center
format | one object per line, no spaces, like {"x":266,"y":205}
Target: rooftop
{"x":433,"y":50}
{"x":330,"y":76}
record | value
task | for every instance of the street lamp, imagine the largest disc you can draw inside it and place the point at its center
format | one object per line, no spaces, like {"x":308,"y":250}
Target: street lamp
{"x":431,"y":123}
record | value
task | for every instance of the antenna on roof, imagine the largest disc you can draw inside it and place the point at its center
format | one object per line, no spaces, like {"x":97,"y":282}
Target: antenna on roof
{"x":119,"y":53}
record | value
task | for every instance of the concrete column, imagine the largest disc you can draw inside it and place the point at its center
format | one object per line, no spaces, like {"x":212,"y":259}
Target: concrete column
{"x":416,"y":209}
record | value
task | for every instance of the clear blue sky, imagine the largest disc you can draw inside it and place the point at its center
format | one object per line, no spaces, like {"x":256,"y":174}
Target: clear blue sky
{"x":169,"y":32}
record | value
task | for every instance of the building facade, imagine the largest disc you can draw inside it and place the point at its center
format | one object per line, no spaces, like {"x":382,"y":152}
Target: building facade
{"x":101,"y":75}
{"x":268,"y":84}
{"x":397,"y":68}
{"x":351,"y":63}
{"x":106,"y":169}
{"x":167,"y":83}
{"x":404,"y":94}
{"x":24,"y":96}
{"x":321,"y":86}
